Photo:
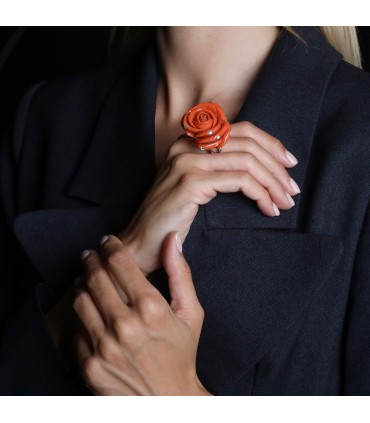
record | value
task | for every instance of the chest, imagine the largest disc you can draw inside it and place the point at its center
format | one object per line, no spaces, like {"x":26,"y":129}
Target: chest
{"x":165,"y":135}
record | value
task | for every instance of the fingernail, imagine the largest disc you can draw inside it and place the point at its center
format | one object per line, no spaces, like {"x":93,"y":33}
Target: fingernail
{"x":294,"y":186}
{"x":276,"y":209}
{"x":290,"y":157}
{"x":292,"y":203}
{"x":178,"y":242}
{"x":85,"y":254}
{"x":104,"y":239}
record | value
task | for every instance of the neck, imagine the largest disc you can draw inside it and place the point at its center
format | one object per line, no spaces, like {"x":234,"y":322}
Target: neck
{"x":209,"y":64}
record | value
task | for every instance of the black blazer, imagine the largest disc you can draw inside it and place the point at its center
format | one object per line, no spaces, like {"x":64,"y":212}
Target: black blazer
{"x":287,"y":298}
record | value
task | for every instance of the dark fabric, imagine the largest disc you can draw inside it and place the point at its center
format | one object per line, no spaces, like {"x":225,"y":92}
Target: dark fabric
{"x":286,"y":298}
{"x":29,"y":54}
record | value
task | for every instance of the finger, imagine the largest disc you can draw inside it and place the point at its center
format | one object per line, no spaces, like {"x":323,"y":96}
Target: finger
{"x":249,"y":145}
{"x":89,"y":316}
{"x":184,"y":301}
{"x":202,"y":188}
{"x":276,"y":177}
{"x":102,"y":289}
{"x":246,"y":144}
{"x":249,"y":163}
{"x":125,"y":271}
{"x":238,"y":130}
{"x":183,"y":144}
{"x":267,"y":141}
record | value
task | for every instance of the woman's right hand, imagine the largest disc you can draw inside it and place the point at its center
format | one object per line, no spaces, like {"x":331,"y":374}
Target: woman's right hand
{"x":252,"y":162}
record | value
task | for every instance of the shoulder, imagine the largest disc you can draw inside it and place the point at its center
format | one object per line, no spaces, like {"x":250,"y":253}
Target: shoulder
{"x":351,"y":83}
{"x":90,"y":85}
{"x":348,"y":95}
{"x":88,"y":88}
{"x":66,"y":104}
{"x":345,"y":114}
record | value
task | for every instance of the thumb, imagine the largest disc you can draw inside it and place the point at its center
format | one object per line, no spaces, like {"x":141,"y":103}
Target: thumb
{"x":184,"y":301}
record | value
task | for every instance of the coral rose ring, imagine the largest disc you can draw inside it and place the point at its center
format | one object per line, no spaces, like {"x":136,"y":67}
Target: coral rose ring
{"x":208,"y":127}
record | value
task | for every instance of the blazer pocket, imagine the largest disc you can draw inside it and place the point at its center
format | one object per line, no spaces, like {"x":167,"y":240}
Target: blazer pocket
{"x":253,"y":284}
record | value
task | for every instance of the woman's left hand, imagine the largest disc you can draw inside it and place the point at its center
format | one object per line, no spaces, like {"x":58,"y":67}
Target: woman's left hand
{"x":141,"y":345}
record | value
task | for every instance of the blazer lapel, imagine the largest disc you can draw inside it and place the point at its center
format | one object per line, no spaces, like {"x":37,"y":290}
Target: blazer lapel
{"x":119,"y":164}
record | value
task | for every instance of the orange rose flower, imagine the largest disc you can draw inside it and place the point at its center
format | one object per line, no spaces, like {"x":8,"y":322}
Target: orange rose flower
{"x":206,"y":123}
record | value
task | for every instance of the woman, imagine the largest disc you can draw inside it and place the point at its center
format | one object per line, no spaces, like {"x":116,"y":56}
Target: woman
{"x":283,"y":296}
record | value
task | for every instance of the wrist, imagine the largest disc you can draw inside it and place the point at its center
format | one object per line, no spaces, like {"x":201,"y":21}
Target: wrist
{"x":134,"y":248}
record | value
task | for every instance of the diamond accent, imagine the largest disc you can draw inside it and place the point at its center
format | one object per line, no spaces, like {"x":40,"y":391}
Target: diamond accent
{"x":218,"y":137}
{"x":210,"y":132}
{"x":202,"y":148}
{"x":185,"y":126}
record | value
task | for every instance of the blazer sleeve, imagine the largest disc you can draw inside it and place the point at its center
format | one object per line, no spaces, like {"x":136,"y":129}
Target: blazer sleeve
{"x":29,"y":362}
{"x":357,"y":328}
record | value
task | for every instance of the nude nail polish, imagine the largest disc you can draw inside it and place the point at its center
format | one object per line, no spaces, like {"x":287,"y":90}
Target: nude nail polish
{"x":276,"y":209}
{"x":85,"y":254}
{"x":290,"y":157}
{"x":294,"y":185}
{"x":104,"y":239}
{"x":291,"y":201}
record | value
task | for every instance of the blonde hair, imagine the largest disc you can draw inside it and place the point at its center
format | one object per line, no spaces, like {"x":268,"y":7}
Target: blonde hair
{"x":343,"y":38}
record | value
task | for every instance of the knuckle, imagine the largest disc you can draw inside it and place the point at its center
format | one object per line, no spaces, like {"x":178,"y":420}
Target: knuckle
{"x":247,"y":126}
{"x":271,"y":185}
{"x":270,"y":179}
{"x":150,"y":308}
{"x":173,"y":150}
{"x":187,"y":179}
{"x":280,"y":169}
{"x":91,"y":369}
{"x":277,"y":145}
{"x":119,"y":325}
{"x":117,"y":257}
{"x":125,"y":330}
{"x":105,"y":348}
{"x":250,"y":144}
{"x":95,"y":278}
{"x":245,"y":177}
{"x":248,"y":158}
{"x":179,"y":162}
{"x":277,"y":185}
{"x":264,"y":195}
{"x":78,"y":301}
